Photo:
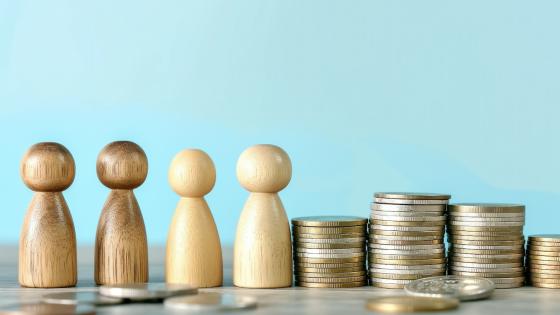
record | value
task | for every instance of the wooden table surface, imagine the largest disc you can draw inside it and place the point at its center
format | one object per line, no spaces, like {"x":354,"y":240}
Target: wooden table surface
{"x":293,"y":300}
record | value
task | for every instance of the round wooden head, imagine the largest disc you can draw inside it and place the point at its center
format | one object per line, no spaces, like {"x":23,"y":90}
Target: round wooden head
{"x":192,"y":173}
{"x":48,"y":167}
{"x":264,"y":168}
{"x":122,"y":165}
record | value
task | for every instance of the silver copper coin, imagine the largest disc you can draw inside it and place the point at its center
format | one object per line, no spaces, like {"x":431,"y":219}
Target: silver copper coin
{"x":145,"y":291}
{"x":411,"y":195}
{"x":83,"y":297}
{"x":211,"y":302}
{"x":330,"y":221}
{"x":462,"y":288}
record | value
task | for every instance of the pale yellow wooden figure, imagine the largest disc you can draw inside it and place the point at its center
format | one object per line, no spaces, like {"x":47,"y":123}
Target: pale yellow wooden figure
{"x":121,"y":249}
{"x":194,"y":253}
{"x":47,"y":244}
{"x":263,"y":246}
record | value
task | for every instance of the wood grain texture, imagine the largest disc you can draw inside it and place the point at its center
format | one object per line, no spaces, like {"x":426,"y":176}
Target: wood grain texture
{"x":194,"y":253}
{"x":121,"y":248}
{"x":263,"y":246}
{"x":47,"y":246}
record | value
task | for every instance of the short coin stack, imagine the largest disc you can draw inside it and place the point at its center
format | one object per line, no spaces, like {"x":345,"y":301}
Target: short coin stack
{"x":406,"y":239}
{"x":329,"y":251}
{"x":486,"y":240}
{"x":543,"y":261}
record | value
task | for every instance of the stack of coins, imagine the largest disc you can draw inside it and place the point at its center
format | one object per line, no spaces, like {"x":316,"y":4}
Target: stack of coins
{"x":329,"y":251}
{"x":486,"y":240}
{"x":406,"y":238}
{"x":543,"y":261}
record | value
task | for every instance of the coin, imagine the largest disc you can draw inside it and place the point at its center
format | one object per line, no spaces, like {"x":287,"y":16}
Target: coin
{"x":329,"y":265}
{"x":84,"y":297}
{"x":405,"y":304}
{"x":406,"y":247}
{"x":432,"y":224}
{"x":486,"y":266}
{"x":486,"y":207}
{"x":415,"y":208}
{"x":407,"y":267}
{"x":401,"y":211}
{"x":325,"y":255}
{"x":331,"y":285}
{"x":406,"y":242}
{"x":487,"y":214}
{"x":315,"y":260}
{"x":407,"y":258}
{"x":328,"y":250}
{"x":486,"y":270}
{"x":46,"y":309}
{"x":486,"y":251}
{"x":546,"y":238}
{"x":487,"y":243}
{"x":407,"y":252}
{"x":411,"y":261}
{"x":485,"y":224}
{"x":329,"y":280}
{"x":410,"y":201}
{"x":396,"y":276}
{"x":483,"y":233}
{"x":411,"y":195}
{"x":539,"y":248}
{"x":211,"y":301}
{"x":357,"y":230}
{"x":405,"y":234}
{"x":489,"y":247}
{"x":328,"y":270}
{"x":299,"y":245}
{"x":329,"y":221}
{"x":462,"y":288}
{"x":145,"y":291}
{"x":487,"y":274}
{"x":541,"y":253}
{"x":349,"y":240}
{"x":408,"y":218}
{"x":302,"y":274}
{"x":381,"y":226}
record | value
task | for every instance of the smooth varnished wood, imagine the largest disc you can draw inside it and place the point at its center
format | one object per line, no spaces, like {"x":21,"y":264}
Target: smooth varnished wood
{"x":194,"y":253}
{"x":47,"y":246}
{"x":121,"y":250}
{"x":263,"y":247}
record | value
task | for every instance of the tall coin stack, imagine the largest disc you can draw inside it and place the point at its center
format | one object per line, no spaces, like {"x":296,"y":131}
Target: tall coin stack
{"x":406,"y":239}
{"x":329,"y":251}
{"x":543,"y":261}
{"x":486,"y":240}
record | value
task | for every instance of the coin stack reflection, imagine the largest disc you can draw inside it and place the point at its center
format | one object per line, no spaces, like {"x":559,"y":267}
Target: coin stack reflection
{"x":406,"y":239}
{"x":543,"y":261}
{"x":486,"y":240}
{"x":329,"y":251}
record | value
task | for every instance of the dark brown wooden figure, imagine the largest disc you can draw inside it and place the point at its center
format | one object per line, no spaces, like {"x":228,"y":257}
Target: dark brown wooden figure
{"x":121,"y":249}
{"x":47,"y":244}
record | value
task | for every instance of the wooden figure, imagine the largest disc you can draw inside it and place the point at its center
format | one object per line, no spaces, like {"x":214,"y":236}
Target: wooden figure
{"x":194,"y":253}
{"x":47,"y":244}
{"x":263,"y":246}
{"x":121,"y":249}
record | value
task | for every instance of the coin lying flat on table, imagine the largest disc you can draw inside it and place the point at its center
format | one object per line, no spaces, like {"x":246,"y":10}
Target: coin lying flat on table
{"x":74,"y":298}
{"x":211,"y":302}
{"x":404,"y":304}
{"x":146,"y":291}
{"x":411,"y":195}
{"x":462,"y":288}
{"x":47,"y":309}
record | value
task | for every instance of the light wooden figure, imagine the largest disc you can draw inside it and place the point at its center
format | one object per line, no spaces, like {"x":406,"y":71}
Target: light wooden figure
{"x":194,"y":253}
{"x":263,"y":246}
{"x":121,"y":249}
{"x":47,"y":244}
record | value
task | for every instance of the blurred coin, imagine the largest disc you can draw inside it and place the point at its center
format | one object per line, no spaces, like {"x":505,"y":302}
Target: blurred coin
{"x":462,"y":288}
{"x":46,"y":309}
{"x":315,"y":260}
{"x":329,"y":250}
{"x":408,"y":218}
{"x":397,"y":276}
{"x":406,"y":234}
{"x":406,"y":242}
{"x":477,"y":219}
{"x":407,"y":304}
{"x":433,"y":224}
{"x":487,"y":214}
{"x":308,"y":236}
{"x":488,"y":247}
{"x":401,"y":211}
{"x":411,"y":261}
{"x":541,"y":253}
{"x":487,"y":274}
{"x":406,"y":252}
{"x":487,"y":243}
{"x":329,"y":221}
{"x":497,"y":235}
{"x":359,"y":245}
{"x":145,"y":291}
{"x":211,"y":301}
{"x":406,"y":258}
{"x":423,"y":272}
{"x":486,"y":266}
{"x":486,"y":270}
{"x":547,"y":238}
{"x":329,"y":266}
{"x":331,"y":285}
{"x":454,"y":224}
{"x":486,"y":251}
{"x":301,"y":274}
{"x":539,"y":248}
{"x":328,"y":270}
{"x":323,"y":256}
{"x":83,"y":297}
{"x":329,"y":280}
{"x":380,"y":226}
{"x":397,"y":267}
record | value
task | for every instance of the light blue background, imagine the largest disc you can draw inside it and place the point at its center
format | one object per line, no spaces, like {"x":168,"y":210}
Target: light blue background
{"x":365,"y":96}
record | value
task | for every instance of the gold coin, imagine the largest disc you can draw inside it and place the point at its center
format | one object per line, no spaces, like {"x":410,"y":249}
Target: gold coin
{"x":545,"y":238}
{"x":503,"y":238}
{"x":458,"y":229}
{"x":489,"y":243}
{"x":330,"y":265}
{"x":487,"y":274}
{"x":331,"y":285}
{"x":537,"y":275}
{"x":359,"y":230}
{"x":298,"y":236}
{"x":532,"y":252}
{"x":329,"y":246}
{"x":437,"y":234}
{"x":351,"y":250}
{"x":405,"y":276}
{"x":544,"y":280}
{"x":360,"y":259}
{"x":387,"y":285}
{"x":484,"y":260}
{"x":407,"y":303}
{"x":407,"y":261}
{"x":406,"y":257}
{"x":486,"y":251}
{"x":301,"y":274}
{"x":489,"y":234}
{"x":330,"y":221}
{"x":410,"y":242}
{"x":329,"y":279}
{"x":409,"y":223}
{"x":555,"y":246}
{"x":486,"y":207}
{"x":328,"y":270}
